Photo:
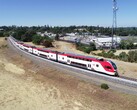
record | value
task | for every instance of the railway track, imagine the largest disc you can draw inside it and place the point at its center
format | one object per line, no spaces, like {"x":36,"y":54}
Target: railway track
{"x":128,"y":78}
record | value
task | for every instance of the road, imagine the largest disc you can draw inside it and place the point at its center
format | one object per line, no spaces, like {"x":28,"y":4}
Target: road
{"x":85,"y":75}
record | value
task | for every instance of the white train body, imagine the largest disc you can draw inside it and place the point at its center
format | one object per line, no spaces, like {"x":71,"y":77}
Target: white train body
{"x":90,"y":63}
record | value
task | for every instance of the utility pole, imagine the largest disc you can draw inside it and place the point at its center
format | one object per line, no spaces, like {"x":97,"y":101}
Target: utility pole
{"x":114,"y":24}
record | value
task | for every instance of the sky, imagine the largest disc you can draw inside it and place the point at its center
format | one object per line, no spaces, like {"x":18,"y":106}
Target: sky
{"x":67,"y":12}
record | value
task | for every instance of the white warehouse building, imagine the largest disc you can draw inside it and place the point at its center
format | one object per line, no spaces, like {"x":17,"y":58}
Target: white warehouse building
{"x":106,"y":41}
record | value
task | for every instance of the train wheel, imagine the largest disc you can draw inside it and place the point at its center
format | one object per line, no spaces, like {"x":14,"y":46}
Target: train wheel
{"x":116,"y":74}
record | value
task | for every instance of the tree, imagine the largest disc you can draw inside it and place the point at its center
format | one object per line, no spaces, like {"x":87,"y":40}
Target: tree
{"x":122,"y":45}
{"x":126,"y":44}
{"x":1,"y":34}
{"x":57,"y":37}
{"x":92,"y":46}
{"x":18,"y":34}
{"x":37,"y":39}
{"x":130,"y":45}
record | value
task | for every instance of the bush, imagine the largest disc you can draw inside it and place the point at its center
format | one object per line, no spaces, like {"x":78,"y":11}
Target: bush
{"x":104,"y":86}
{"x":132,"y":56}
{"x":85,"y":48}
{"x":5,"y":38}
{"x":126,"y":44}
{"x":112,"y":50}
{"x":123,"y":56}
{"x":47,"y":43}
{"x":4,"y":46}
{"x":109,"y":54}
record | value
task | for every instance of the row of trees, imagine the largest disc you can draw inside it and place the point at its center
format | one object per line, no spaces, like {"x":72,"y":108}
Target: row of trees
{"x":131,"y":56}
{"x":30,"y":35}
{"x":121,"y":31}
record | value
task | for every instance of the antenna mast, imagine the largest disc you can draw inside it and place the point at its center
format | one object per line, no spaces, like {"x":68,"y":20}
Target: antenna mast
{"x":114,"y":24}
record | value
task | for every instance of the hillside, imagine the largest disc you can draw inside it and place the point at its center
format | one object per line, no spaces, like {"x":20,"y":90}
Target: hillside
{"x":26,"y":85}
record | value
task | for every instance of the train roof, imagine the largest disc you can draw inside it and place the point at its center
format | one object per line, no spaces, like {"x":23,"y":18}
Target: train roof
{"x":27,"y":45}
{"x":82,"y":56}
{"x":20,"y":42}
{"x":46,"y":50}
{"x":65,"y":54}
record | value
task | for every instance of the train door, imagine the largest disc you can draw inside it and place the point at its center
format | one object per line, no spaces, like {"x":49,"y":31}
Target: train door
{"x":89,"y":66}
{"x":68,"y":61}
{"x":57,"y":56}
{"x":30,"y":50}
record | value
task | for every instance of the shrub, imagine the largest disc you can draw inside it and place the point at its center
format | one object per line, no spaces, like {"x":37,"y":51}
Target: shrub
{"x":132,"y":56}
{"x":47,"y":43}
{"x":123,"y":56}
{"x":112,"y":51}
{"x":5,"y":38}
{"x":85,"y":48}
{"x":126,"y":44}
{"x":4,"y":46}
{"x":104,"y":86}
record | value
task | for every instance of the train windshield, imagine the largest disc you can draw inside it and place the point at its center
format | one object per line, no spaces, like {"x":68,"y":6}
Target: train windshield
{"x":113,"y":64}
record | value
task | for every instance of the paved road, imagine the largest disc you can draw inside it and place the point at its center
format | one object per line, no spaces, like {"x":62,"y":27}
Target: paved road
{"x":86,"y":75}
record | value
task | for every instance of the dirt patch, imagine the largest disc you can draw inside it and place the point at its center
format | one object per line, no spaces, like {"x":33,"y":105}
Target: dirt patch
{"x":30,"y":43}
{"x":14,"y":69}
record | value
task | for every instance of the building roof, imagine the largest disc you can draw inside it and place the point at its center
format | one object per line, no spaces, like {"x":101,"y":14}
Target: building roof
{"x":108,"y":39}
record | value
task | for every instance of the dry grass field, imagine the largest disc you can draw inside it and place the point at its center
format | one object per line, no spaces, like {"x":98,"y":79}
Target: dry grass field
{"x":25,"y":85}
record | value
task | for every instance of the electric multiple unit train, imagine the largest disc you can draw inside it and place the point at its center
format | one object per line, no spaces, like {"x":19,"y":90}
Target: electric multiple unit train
{"x":91,"y":63}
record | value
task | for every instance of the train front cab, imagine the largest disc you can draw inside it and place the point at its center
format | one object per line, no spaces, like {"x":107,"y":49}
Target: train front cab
{"x":114,"y":67}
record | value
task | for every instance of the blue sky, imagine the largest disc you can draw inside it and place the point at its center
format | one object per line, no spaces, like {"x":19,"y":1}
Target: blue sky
{"x":66,"y":12}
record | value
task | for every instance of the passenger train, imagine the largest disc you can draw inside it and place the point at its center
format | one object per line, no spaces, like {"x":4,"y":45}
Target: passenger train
{"x":91,"y":63}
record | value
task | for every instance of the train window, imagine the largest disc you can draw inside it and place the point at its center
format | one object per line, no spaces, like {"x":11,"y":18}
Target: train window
{"x":68,"y":61}
{"x":108,"y":67}
{"x":63,"y":58}
{"x":51,"y":55}
{"x":89,"y":65}
{"x":97,"y":65}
